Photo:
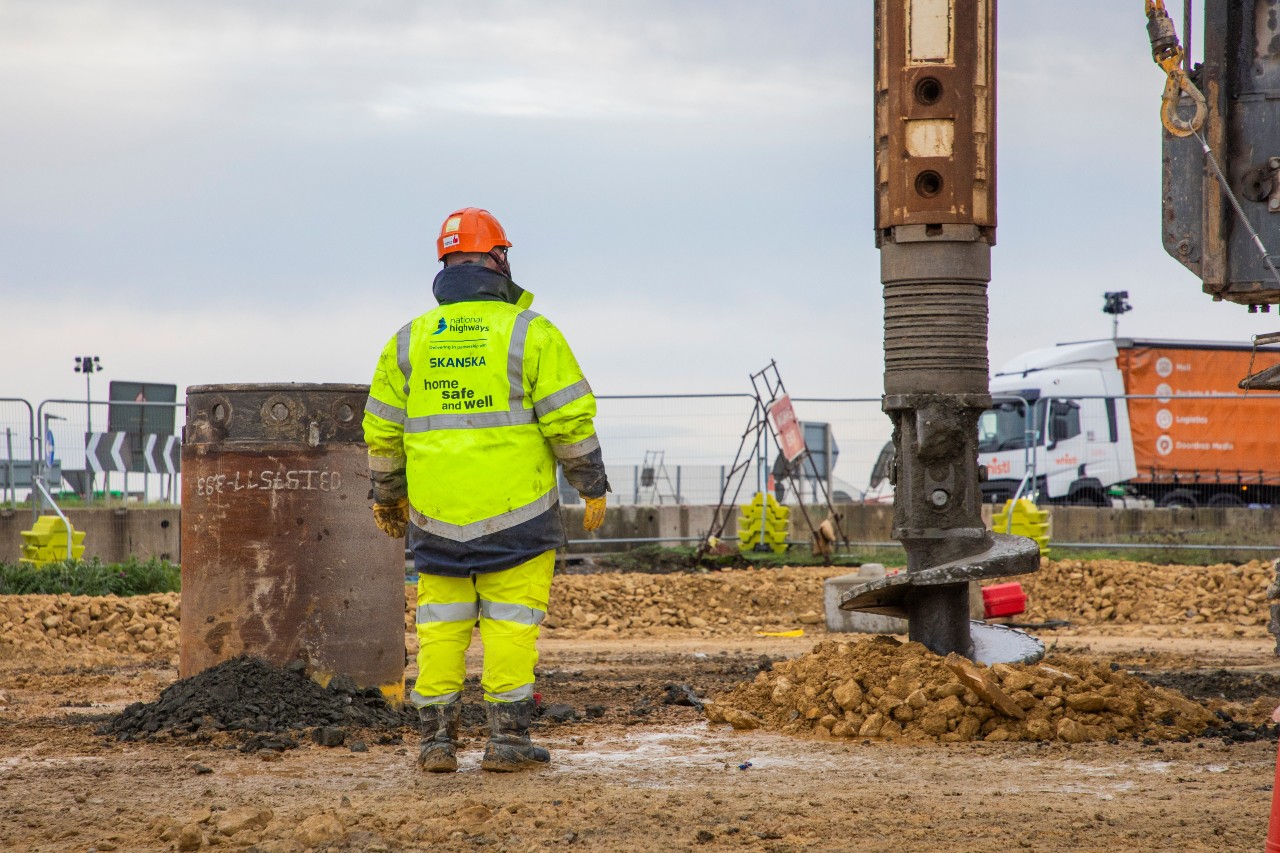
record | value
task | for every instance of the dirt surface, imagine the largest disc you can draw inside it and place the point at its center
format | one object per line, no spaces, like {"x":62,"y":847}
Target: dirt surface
{"x":636,"y":764}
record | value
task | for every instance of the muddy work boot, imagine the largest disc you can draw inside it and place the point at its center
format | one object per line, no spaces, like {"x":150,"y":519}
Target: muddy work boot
{"x":439,"y":750}
{"x":509,"y":747}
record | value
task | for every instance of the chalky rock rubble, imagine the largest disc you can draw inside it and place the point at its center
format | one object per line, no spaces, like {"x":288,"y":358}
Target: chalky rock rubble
{"x":887,"y":689}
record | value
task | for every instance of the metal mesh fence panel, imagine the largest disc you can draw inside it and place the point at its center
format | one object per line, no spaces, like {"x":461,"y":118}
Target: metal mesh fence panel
{"x":65,"y":435}
{"x":17,"y":450}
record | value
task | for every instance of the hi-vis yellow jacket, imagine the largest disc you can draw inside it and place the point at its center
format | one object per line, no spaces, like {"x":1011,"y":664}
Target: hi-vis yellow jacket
{"x":473,"y":404}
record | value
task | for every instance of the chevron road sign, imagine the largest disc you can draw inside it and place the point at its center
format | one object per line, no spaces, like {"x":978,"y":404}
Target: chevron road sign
{"x":107,"y":451}
{"x":160,"y":457}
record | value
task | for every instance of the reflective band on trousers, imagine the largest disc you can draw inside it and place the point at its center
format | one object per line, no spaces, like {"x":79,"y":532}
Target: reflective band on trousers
{"x":485,"y":526}
{"x":402,"y":354}
{"x":515,"y":358}
{"x":563,"y":397}
{"x":462,"y":611}
{"x":420,"y":701}
{"x":511,"y":612}
{"x":385,"y":411}
{"x":480,"y":420}
{"x":578,"y":448}
{"x":517,"y":695}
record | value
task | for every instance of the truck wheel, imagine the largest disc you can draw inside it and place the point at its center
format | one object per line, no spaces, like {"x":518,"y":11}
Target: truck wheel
{"x":1225,"y":499}
{"x":1180,"y":498}
{"x":1090,"y":497}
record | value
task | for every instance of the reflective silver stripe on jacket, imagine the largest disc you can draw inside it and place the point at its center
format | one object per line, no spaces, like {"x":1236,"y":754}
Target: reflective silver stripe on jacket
{"x":515,"y":358}
{"x":563,"y":397}
{"x":462,"y":611}
{"x":504,"y":612}
{"x":386,"y":464}
{"x":479,"y":420}
{"x":519,"y":694}
{"x":402,"y":354}
{"x":485,"y":526}
{"x":578,"y":448}
{"x":420,"y":701}
{"x":386,"y":411}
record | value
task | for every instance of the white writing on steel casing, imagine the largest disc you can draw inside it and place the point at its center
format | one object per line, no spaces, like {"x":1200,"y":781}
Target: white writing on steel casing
{"x":302,"y":480}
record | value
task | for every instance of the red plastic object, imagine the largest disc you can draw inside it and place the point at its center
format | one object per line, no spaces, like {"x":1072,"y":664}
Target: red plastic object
{"x":1003,"y":599}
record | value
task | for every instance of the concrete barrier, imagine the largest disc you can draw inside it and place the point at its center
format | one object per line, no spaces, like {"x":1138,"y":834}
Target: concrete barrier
{"x":848,"y":621}
{"x":111,"y":534}
{"x":833,"y":589}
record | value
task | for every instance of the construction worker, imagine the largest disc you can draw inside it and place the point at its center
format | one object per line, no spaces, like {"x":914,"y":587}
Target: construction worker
{"x":472,"y":406}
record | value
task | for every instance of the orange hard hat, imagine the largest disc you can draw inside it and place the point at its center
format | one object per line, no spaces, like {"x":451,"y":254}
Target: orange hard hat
{"x":470,"y":229}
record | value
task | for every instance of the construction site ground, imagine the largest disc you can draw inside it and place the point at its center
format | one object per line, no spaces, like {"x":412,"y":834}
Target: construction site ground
{"x":639,"y":771}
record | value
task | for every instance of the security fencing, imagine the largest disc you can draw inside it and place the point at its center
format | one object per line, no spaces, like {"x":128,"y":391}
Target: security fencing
{"x":1178,"y":450}
{"x":17,"y":449}
{"x":660,"y":449}
{"x":94,"y":450}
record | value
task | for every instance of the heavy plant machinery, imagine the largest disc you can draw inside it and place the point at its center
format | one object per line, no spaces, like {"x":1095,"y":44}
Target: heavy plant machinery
{"x":935,"y":201}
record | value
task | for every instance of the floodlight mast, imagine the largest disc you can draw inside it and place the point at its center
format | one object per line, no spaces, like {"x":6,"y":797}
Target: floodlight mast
{"x":935,"y":225}
{"x":1115,"y":303}
{"x":88,"y":365}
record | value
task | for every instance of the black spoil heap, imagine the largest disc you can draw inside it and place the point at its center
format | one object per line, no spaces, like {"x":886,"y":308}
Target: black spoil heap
{"x":259,"y":703}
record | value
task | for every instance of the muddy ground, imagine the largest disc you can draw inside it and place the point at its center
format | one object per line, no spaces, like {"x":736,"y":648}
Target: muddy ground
{"x":636,"y":773}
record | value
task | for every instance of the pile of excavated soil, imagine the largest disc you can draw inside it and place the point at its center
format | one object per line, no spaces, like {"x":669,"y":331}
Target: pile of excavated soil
{"x":737,"y":601}
{"x":1215,"y":600}
{"x":264,"y":706}
{"x":1109,"y":594}
{"x":144,"y":624}
{"x":1119,"y":591}
{"x":884,"y":688}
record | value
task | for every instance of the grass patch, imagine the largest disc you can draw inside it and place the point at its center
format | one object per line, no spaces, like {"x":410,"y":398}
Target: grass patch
{"x":90,"y":577}
{"x":1163,"y":556}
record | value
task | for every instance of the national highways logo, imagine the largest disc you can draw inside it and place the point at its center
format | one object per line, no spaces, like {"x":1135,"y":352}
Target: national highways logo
{"x":444,"y":324}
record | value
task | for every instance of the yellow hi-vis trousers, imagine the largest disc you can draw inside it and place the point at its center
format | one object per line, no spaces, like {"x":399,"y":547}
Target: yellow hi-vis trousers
{"x":509,"y":604}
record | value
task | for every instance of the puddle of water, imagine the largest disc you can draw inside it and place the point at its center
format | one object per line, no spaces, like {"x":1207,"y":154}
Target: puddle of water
{"x":17,"y":762}
{"x":1107,"y":792}
{"x":698,"y":746}
{"x":644,"y":751}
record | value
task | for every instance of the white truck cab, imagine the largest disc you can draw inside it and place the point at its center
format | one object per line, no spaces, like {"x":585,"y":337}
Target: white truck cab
{"x":1076,"y":438}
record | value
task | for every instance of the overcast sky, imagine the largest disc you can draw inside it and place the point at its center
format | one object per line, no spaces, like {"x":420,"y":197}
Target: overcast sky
{"x":208,"y":192}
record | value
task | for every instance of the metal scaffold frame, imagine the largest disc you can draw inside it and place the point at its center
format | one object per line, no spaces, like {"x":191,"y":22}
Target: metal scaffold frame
{"x":768,"y":390}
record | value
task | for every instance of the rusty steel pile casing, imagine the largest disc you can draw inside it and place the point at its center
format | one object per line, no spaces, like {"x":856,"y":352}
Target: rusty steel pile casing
{"x":935,"y":225}
{"x":280,"y":555}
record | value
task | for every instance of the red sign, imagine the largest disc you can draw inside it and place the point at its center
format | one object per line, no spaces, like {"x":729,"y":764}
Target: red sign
{"x":790,"y":436}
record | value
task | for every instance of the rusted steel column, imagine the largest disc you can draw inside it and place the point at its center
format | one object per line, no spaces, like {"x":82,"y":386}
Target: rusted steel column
{"x":280,"y":556}
{"x":935,"y":225}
